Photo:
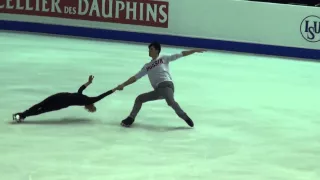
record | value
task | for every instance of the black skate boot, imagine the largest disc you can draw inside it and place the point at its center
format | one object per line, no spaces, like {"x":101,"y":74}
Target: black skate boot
{"x":188,"y":120}
{"x":18,"y":117}
{"x":127,"y":122}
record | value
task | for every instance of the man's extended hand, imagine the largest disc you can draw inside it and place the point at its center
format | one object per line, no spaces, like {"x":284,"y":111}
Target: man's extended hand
{"x":187,"y":53}
{"x":129,"y":81}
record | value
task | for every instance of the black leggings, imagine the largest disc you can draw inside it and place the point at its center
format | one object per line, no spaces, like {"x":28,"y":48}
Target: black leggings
{"x":61,"y":101}
{"x":42,"y":107}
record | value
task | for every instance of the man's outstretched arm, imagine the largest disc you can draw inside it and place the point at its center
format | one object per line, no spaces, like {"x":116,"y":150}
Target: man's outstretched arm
{"x":187,"y":53}
{"x":84,"y":86}
{"x":183,"y":54}
{"x":133,"y":79}
{"x":127,"y":82}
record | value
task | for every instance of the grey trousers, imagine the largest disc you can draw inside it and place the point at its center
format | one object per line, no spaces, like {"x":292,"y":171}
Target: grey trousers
{"x":165,"y":90}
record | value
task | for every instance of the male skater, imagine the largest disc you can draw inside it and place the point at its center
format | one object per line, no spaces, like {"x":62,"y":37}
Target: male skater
{"x":63,"y":100}
{"x":161,"y":81}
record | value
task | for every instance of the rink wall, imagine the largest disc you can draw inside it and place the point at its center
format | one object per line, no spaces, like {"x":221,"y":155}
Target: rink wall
{"x":240,"y":26}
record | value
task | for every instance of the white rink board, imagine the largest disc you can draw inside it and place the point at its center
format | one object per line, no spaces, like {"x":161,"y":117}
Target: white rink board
{"x":240,"y":21}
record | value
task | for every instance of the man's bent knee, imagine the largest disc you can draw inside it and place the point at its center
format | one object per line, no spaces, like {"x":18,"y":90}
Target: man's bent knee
{"x":141,"y":99}
{"x":171,"y":103}
{"x":138,"y":99}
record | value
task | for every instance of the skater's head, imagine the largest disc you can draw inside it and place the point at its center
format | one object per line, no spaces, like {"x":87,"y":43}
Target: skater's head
{"x":154,"y":50}
{"x":90,"y":108}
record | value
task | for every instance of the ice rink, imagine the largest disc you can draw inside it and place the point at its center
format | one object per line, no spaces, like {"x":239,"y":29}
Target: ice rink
{"x":256,"y":118}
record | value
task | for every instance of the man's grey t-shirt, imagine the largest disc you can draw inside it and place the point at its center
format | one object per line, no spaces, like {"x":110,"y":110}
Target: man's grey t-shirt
{"x":158,"y":69}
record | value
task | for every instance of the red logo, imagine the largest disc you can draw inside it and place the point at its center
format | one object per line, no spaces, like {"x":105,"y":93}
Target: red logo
{"x":135,"y":12}
{"x":155,"y":64}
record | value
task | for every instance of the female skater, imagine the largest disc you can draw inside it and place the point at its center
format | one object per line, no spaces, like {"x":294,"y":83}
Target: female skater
{"x":63,"y":100}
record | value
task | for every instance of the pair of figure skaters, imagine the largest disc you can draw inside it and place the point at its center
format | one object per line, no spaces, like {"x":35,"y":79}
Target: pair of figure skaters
{"x":158,"y":72}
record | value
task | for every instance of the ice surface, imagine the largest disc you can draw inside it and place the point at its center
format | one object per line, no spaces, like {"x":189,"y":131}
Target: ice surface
{"x":256,"y":118}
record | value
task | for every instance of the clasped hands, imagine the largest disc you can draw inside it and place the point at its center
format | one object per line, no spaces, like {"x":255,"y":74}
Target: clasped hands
{"x":119,"y":88}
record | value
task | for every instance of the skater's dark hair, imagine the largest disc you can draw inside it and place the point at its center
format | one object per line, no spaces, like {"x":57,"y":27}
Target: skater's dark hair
{"x":156,"y":46}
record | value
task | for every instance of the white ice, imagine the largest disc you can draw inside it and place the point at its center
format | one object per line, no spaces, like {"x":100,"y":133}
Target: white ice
{"x":256,"y":118}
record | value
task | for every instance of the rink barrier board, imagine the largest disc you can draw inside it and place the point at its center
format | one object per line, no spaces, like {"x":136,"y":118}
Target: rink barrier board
{"x":164,"y":39}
